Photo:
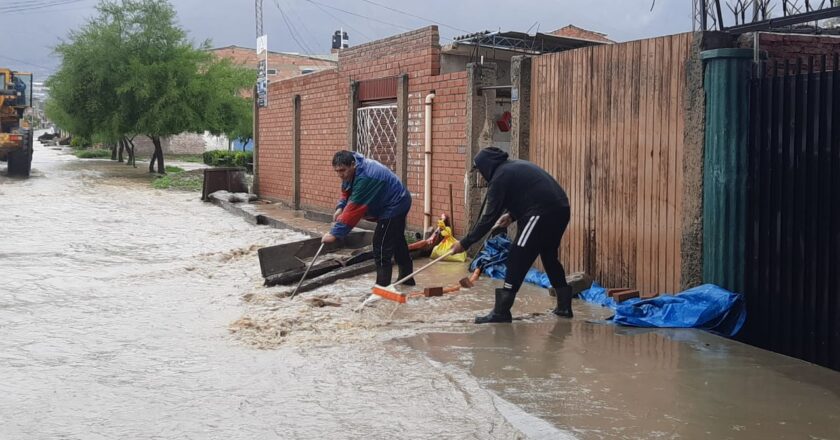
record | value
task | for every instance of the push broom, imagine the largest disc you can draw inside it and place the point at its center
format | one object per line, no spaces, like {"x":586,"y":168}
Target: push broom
{"x":390,"y":293}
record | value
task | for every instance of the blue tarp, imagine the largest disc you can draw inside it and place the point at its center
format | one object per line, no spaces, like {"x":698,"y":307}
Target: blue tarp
{"x":492,"y":260}
{"x":707,"y":307}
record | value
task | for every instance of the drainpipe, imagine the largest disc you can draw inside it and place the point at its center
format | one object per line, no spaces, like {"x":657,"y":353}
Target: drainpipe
{"x":427,"y":188}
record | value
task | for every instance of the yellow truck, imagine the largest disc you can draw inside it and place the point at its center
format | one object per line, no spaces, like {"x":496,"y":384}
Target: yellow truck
{"x":16,"y":137}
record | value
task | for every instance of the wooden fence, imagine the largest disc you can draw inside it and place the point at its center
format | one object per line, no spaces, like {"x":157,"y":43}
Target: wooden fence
{"x":608,"y":123}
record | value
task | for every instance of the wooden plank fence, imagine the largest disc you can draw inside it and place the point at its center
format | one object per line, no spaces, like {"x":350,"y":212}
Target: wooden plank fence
{"x":608,"y":123}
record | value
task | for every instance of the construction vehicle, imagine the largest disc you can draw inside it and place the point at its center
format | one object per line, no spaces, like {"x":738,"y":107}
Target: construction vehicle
{"x":16,"y":137}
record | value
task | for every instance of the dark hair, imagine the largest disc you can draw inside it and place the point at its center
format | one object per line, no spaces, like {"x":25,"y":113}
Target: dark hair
{"x":343,"y":158}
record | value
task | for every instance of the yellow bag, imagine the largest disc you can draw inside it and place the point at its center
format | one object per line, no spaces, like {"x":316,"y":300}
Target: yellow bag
{"x":446,"y":244}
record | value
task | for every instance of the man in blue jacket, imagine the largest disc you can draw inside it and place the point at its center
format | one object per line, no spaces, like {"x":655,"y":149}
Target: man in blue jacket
{"x":522,"y":192}
{"x":371,"y":191}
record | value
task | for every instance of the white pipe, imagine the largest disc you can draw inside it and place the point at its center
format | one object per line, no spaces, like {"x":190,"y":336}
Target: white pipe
{"x":427,"y":184}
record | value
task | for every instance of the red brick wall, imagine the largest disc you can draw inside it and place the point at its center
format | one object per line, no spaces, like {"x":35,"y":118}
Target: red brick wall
{"x":782,"y":47}
{"x":449,"y":116}
{"x":324,"y":108}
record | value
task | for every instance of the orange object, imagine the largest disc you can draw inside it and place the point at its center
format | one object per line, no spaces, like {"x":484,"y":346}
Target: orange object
{"x":389,"y":294}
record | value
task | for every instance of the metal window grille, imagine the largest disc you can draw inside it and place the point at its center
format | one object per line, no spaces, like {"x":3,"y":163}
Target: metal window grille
{"x":377,"y":134}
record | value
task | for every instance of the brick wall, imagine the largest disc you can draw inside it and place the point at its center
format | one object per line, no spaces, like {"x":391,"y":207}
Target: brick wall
{"x":783,"y":47}
{"x":324,"y":124}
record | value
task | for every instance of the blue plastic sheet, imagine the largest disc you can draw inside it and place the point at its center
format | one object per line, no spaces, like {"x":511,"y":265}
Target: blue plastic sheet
{"x":493,"y":257}
{"x":707,"y":307}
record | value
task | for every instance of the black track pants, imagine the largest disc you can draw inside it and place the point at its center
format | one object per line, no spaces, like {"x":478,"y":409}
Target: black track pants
{"x":538,"y":235}
{"x":389,"y":242}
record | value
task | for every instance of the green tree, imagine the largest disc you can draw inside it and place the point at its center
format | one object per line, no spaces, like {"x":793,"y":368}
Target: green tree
{"x":132,"y":70}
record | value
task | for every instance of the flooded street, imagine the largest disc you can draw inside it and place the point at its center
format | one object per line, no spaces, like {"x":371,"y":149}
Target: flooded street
{"x":129,"y":312}
{"x":114,"y":313}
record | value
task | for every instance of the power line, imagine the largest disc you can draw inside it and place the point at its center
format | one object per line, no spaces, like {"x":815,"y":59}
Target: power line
{"x":25,"y":62}
{"x":292,"y":31}
{"x":36,"y":5}
{"x":296,"y":18}
{"x":359,"y":15}
{"x":340,"y":21}
{"x":415,"y":16}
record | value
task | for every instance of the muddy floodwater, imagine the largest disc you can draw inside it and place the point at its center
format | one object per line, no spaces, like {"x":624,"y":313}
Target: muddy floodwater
{"x":135,"y":313}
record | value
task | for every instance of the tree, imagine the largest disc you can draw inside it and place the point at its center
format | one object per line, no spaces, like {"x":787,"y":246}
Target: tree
{"x":132,"y":70}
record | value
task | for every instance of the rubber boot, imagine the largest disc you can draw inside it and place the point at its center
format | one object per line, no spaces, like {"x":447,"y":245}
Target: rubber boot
{"x":405,"y":271}
{"x":383,"y":275}
{"x":501,"y":310}
{"x":564,"y":302}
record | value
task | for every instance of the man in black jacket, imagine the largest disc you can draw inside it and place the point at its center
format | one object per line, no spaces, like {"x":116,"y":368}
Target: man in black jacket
{"x":533,"y":199}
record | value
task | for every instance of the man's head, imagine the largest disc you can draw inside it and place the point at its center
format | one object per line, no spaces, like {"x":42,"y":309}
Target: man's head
{"x":344,"y":164}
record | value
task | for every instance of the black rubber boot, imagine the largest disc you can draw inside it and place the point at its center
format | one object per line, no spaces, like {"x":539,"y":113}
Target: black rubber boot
{"x":383,"y":275}
{"x":501,"y":310}
{"x":564,"y":302}
{"x":405,"y":271}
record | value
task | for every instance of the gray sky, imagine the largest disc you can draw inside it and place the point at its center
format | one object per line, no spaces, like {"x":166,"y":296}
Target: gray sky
{"x":28,"y":36}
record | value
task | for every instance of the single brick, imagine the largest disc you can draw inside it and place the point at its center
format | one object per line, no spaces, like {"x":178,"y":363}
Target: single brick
{"x":433,"y":291}
{"x":624,"y":296}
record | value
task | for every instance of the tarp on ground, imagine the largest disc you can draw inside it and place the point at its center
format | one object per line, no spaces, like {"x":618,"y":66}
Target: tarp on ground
{"x":707,"y":307}
{"x":493,"y":257}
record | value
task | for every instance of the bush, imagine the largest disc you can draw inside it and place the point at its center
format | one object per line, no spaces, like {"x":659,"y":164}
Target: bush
{"x":78,"y":143}
{"x":223,"y":158}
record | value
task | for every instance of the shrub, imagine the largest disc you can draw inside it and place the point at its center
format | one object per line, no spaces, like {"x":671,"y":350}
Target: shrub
{"x":223,"y":158}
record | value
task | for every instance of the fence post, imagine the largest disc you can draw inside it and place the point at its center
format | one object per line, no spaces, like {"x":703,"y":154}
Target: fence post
{"x":726,"y":82}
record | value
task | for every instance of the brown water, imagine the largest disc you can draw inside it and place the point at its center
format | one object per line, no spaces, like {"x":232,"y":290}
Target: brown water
{"x":115,"y":309}
{"x":127,"y":312}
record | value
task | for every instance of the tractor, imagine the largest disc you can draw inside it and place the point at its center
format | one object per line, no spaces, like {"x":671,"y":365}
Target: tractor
{"x":16,"y":137}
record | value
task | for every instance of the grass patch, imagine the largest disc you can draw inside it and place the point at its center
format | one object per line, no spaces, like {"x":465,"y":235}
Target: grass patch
{"x":93,"y":154}
{"x":181,"y":181}
{"x":194,"y":158}
{"x":173,"y":169}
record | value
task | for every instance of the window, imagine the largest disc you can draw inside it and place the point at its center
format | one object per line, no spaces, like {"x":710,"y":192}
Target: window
{"x":272,"y":71}
{"x":305,"y":70}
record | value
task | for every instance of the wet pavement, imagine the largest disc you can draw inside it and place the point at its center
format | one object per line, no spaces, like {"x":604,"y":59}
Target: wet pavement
{"x":129,"y":312}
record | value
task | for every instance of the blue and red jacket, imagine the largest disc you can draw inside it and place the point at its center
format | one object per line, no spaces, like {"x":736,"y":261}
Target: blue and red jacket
{"x":375,"y":193}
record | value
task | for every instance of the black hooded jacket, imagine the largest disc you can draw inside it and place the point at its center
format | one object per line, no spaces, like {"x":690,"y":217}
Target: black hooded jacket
{"x":517,"y":186}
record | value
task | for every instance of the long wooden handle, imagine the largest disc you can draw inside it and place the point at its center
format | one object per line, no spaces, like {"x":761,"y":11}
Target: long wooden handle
{"x":307,"y":270}
{"x":424,"y":267}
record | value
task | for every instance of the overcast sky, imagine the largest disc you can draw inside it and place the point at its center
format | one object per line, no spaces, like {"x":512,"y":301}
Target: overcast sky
{"x":28,"y":36}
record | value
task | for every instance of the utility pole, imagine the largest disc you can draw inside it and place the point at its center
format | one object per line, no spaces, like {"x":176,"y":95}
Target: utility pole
{"x":258,"y":8}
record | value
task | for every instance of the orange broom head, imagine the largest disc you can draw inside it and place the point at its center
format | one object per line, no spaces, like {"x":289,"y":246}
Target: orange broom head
{"x":388,"y":294}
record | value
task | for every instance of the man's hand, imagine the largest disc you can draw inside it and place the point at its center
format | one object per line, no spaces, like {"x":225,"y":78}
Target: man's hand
{"x":504,"y":221}
{"x":457,"y":248}
{"x":337,"y":213}
{"x":328,"y":238}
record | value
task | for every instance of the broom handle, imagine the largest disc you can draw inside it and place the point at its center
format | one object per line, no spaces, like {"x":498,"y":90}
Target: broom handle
{"x":425,"y":267}
{"x":312,"y":263}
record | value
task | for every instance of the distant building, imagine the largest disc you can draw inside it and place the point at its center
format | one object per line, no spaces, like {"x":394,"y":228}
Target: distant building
{"x":281,"y":65}
{"x":573,"y":31}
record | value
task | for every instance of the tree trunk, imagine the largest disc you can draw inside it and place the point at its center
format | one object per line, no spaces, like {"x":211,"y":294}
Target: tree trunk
{"x":113,"y":151}
{"x":158,"y":154}
{"x":132,"y":157}
{"x":120,"y":154}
